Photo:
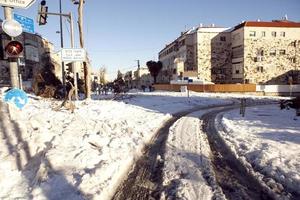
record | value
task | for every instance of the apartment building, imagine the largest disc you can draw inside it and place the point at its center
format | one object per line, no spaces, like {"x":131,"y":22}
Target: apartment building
{"x":266,"y":52}
{"x":201,"y":52}
{"x":251,"y":52}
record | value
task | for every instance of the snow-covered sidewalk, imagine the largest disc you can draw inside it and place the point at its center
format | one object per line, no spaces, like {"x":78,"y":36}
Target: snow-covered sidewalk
{"x":47,"y":154}
{"x":268,"y":139}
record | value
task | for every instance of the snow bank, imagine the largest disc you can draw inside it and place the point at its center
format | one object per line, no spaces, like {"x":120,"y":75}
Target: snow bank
{"x":268,"y":138}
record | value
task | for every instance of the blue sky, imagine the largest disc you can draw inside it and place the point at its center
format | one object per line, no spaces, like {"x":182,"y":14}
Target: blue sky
{"x":118,"y":32}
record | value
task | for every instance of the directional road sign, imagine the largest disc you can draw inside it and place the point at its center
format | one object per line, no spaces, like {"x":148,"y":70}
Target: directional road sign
{"x":16,"y":96}
{"x":73,"y":55}
{"x":26,"y":23}
{"x":17,"y":3}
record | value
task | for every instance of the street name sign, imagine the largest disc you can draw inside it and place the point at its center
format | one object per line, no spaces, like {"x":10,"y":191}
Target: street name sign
{"x":12,"y":27}
{"x":17,"y":3}
{"x":73,"y":55}
{"x":26,"y":23}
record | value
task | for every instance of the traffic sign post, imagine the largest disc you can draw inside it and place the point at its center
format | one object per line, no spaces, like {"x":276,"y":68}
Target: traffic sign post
{"x":8,"y":6}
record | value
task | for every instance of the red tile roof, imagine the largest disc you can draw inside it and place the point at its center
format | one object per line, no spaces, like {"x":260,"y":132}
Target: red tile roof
{"x":275,"y":23}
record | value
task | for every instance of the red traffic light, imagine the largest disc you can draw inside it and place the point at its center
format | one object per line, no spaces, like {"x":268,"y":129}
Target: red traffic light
{"x":14,"y":49}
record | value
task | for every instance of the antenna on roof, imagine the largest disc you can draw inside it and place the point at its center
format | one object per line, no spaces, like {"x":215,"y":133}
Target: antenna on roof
{"x":285,"y":17}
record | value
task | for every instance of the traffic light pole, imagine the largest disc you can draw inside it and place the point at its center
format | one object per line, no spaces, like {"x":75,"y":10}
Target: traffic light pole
{"x":62,"y":46}
{"x":70,"y":16}
{"x":13,"y":65}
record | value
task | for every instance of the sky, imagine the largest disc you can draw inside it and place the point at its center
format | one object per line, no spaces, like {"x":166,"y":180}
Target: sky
{"x":119,"y":32}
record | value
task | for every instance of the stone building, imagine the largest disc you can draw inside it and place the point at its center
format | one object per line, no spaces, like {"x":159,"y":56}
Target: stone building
{"x":138,"y":78}
{"x":202,"y":53}
{"x":266,"y":52}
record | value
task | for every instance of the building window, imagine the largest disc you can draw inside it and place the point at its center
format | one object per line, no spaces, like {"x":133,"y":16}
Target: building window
{"x":282,"y":52}
{"x":237,"y":71}
{"x":293,"y":60}
{"x":252,"y":33}
{"x":273,"y":34}
{"x":260,"y":69}
{"x":272,"y":52}
{"x":223,"y":38}
{"x":282,"y":34}
{"x":260,"y":52}
{"x":263,"y":34}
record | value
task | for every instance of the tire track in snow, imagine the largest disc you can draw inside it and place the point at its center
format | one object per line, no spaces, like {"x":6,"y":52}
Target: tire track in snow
{"x":234,"y":178}
{"x":145,"y":179}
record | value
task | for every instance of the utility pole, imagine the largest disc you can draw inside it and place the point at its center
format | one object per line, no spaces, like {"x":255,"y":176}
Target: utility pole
{"x":138,"y":74}
{"x":138,"y":63}
{"x":74,"y":70}
{"x":13,"y":65}
{"x":62,"y":46}
{"x":87,"y":71}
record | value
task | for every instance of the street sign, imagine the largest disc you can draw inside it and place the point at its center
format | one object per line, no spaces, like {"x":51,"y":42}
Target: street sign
{"x":12,"y":27}
{"x":73,"y":55}
{"x":190,"y":80}
{"x":17,"y":3}
{"x":26,"y":23}
{"x":17,"y":97}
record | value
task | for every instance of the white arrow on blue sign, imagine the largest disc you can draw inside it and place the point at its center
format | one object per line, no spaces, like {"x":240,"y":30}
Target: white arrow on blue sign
{"x":26,"y":23}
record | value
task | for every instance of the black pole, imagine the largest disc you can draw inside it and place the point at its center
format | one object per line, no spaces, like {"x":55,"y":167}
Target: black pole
{"x":62,"y":46}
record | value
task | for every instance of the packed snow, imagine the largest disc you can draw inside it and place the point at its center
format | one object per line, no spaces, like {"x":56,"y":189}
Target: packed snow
{"x":187,"y":164}
{"x":268,"y":139}
{"x":47,"y":154}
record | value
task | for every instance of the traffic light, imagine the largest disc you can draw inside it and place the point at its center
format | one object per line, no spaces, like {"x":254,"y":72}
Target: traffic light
{"x":14,"y":49}
{"x":42,"y":13}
